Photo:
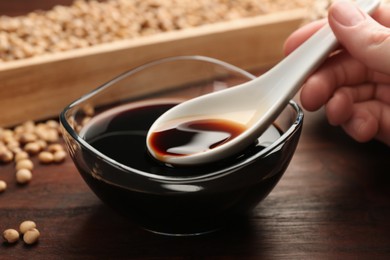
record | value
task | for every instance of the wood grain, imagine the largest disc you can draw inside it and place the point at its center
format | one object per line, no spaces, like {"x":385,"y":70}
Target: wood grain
{"x":21,"y":7}
{"x":332,"y":203}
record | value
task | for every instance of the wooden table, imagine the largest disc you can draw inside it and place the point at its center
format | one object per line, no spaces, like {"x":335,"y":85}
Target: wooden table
{"x":332,"y":203}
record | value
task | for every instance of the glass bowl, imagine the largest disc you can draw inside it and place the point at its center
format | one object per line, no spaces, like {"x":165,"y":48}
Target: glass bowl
{"x":105,"y":133}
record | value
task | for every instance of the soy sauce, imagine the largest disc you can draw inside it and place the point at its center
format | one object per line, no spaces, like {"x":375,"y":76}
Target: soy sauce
{"x":191,"y":137}
{"x":169,"y":207}
{"x":120,"y":134}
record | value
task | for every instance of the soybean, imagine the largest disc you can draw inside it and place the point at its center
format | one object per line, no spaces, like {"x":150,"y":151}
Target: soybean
{"x":11,"y":235}
{"x":5,"y":155}
{"x":23,"y":176}
{"x":89,"y":23}
{"x":31,"y":236}
{"x":26,"y":226}
{"x":45,"y":157}
{"x":32,"y":148}
{"x":59,"y":156}
{"x":21,"y":155}
{"x":3,"y":186}
{"x":24,"y":164}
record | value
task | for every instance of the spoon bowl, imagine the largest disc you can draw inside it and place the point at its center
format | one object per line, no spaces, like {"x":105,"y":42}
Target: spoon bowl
{"x":253,"y":105}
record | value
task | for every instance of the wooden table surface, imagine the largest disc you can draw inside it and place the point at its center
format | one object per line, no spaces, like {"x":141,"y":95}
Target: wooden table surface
{"x":332,"y":203}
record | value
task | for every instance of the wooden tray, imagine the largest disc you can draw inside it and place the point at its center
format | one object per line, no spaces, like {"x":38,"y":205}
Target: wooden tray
{"x":40,"y":87}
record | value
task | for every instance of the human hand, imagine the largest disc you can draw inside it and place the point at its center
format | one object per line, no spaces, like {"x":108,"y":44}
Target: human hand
{"x":354,"y":83}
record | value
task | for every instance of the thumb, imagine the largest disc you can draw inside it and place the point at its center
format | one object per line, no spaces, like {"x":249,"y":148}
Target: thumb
{"x":364,"y":38}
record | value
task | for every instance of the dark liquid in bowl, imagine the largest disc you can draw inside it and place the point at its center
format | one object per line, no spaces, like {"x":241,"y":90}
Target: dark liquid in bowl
{"x":174,"y":207}
{"x":121,"y":135}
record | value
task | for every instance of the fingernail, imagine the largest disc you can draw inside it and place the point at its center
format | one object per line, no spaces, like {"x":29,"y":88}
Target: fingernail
{"x":346,"y":13}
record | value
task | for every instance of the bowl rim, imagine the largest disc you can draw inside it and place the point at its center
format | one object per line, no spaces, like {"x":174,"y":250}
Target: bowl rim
{"x":217,"y":173}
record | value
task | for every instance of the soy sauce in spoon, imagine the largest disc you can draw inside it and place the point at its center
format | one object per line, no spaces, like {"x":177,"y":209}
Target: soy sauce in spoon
{"x":190,"y":137}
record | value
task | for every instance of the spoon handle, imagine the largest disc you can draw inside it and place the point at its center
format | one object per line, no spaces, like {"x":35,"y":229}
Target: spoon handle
{"x":309,"y":55}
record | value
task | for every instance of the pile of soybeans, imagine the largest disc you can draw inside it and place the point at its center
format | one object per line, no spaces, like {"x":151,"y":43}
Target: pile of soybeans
{"x":89,"y":22}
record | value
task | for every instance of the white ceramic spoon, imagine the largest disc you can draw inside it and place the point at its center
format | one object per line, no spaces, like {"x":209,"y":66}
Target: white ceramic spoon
{"x":256,"y":104}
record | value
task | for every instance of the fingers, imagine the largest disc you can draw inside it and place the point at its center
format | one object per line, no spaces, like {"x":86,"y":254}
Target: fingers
{"x":339,"y":70}
{"x":340,"y":107}
{"x":369,"y":120}
{"x":363,"y":37}
{"x":382,"y":15}
{"x":361,"y":111}
{"x":363,"y":124}
{"x":301,"y":35}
